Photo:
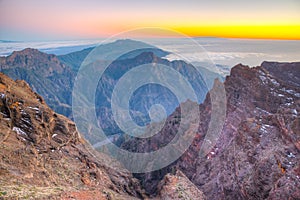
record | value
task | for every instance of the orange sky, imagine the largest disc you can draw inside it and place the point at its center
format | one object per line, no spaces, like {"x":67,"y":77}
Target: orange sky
{"x":265,"y":19}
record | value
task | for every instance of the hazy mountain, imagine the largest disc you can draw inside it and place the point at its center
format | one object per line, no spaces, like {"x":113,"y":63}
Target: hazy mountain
{"x":75,"y":59}
{"x":146,"y":96}
{"x":45,"y":74}
{"x":53,"y":78}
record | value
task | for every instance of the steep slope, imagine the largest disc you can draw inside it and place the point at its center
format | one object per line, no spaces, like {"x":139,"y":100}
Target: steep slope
{"x":257,"y":155}
{"x":75,"y":59}
{"x":42,"y":156}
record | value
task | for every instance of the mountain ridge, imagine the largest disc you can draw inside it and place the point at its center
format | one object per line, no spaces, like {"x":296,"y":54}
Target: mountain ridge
{"x":53,"y":77}
{"x":261,"y":133}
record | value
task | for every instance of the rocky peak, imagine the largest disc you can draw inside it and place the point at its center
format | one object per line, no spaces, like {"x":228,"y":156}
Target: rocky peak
{"x":260,"y":134}
{"x":33,"y":59}
{"x":148,"y":57}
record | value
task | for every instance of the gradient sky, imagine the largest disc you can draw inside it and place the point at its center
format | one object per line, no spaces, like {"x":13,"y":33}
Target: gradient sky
{"x":63,"y":19}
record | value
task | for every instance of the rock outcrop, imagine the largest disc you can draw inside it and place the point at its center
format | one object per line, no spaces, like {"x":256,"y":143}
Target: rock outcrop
{"x":178,"y":186}
{"x":257,"y":155}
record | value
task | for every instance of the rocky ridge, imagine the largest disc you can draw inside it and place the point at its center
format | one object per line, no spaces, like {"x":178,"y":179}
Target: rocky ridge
{"x":45,"y":74}
{"x":260,"y":134}
{"x":42,"y":156}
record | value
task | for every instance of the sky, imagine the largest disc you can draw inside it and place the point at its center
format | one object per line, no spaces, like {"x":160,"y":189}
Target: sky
{"x":70,"y":19}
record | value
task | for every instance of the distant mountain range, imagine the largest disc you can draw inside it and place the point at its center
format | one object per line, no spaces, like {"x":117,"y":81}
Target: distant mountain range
{"x":6,"y":41}
{"x":53,"y":77}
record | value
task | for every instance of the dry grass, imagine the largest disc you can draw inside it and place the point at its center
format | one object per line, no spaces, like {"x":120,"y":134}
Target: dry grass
{"x":30,"y":192}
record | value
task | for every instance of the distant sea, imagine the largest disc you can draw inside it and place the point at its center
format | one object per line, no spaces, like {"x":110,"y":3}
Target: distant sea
{"x":227,"y":52}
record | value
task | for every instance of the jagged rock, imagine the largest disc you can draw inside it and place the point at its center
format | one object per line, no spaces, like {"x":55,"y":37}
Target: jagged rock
{"x":42,"y":156}
{"x":257,"y":154}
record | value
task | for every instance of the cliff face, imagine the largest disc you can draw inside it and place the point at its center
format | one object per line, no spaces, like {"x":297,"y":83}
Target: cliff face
{"x":42,"y":155}
{"x":257,"y":155}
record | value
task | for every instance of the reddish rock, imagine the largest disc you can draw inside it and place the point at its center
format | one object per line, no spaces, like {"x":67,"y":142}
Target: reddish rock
{"x":42,"y":156}
{"x":178,"y":186}
{"x":257,"y":154}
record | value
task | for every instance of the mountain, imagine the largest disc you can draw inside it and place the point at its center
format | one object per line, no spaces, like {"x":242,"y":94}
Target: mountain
{"x":53,"y":78}
{"x":257,"y":154}
{"x":45,"y":74}
{"x":44,"y":157}
{"x":146,"y":96}
{"x":75,"y":59}
{"x":289,"y":72}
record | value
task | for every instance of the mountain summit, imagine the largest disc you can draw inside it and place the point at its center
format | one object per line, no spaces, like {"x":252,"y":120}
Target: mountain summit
{"x":45,"y":74}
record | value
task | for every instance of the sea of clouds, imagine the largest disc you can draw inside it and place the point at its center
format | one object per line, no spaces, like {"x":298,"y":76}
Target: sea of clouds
{"x":227,"y":52}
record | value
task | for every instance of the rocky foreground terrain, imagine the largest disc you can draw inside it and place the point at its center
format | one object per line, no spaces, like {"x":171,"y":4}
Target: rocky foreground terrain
{"x":43,"y":156}
{"x":257,"y":154}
